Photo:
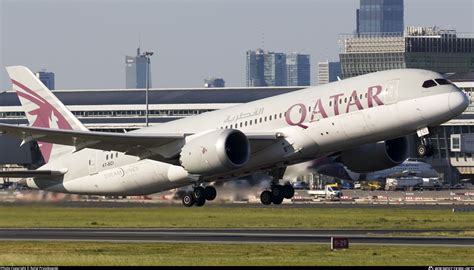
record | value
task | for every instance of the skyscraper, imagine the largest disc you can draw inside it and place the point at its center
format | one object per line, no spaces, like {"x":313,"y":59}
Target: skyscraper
{"x":298,"y":69}
{"x":255,"y":69}
{"x":328,"y":72}
{"x":47,"y":78}
{"x":443,"y":51}
{"x":135,"y":71}
{"x":275,"y":69}
{"x":380,"y":16}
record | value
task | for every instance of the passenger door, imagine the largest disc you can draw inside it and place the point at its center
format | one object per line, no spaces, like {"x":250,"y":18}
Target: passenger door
{"x":93,"y":163}
{"x":391,"y":91}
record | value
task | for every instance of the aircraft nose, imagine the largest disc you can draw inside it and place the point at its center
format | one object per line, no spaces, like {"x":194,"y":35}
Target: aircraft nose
{"x":458,"y":102}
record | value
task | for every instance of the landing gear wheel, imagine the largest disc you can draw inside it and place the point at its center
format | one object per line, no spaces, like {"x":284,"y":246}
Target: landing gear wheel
{"x":210,"y":192}
{"x":277,"y":199}
{"x":200,"y":202}
{"x":188,"y":200}
{"x":288,"y":191}
{"x":266,"y":197}
{"x":277,"y":191}
{"x":199,"y":193}
{"x":421,"y":150}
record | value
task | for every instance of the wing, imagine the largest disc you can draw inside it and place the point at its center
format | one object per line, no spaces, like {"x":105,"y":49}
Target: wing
{"x":137,"y":144}
{"x":157,"y":146}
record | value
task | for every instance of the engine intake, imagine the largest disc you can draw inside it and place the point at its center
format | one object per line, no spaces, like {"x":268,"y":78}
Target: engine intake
{"x":376,"y":156}
{"x":215,"y":152}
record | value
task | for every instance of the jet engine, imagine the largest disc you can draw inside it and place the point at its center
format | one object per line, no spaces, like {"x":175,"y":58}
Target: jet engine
{"x":376,"y":156}
{"x":215,"y":152}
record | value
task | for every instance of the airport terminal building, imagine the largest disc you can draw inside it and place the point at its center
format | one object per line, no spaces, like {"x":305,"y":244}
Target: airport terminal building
{"x":120,"y":110}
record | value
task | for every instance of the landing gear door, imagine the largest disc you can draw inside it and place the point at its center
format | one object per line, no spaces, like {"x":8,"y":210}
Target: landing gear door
{"x":391,"y":91}
{"x":92,"y":165}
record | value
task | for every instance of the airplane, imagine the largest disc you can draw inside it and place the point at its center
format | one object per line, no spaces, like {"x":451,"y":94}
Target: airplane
{"x":361,"y":121}
{"x":331,"y":167}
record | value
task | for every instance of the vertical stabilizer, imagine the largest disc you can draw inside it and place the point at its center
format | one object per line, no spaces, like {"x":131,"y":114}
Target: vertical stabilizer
{"x":42,"y":108}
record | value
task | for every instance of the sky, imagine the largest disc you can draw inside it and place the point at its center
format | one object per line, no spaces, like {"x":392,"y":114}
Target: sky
{"x":84,"y":42}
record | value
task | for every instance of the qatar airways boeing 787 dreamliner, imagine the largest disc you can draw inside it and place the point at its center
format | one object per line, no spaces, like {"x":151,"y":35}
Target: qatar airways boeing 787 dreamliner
{"x":362,"y":122}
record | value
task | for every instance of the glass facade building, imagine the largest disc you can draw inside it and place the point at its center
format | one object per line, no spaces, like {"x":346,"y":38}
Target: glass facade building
{"x":275,"y":69}
{"x":298,"y":69}
{"x":443,"y":51}
{"x":255,"y":68}
{"x":47,"y":78}
{"x":135,"y":71}
{"x":328,"y":72}
{"x":265,"y":68}
{"x":380,"y":16}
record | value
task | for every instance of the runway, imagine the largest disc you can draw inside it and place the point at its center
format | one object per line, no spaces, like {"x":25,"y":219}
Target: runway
{"x":233,"y":236}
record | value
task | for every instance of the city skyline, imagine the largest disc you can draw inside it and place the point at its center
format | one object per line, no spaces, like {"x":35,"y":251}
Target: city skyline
{"x":86,"y":49}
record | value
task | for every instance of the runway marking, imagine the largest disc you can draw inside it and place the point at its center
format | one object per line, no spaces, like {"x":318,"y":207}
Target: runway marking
{"x":228,"y":236}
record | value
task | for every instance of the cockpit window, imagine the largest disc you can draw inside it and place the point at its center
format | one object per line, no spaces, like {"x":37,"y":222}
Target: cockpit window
{"x":442,"y":81}
{"x":428,"y":84}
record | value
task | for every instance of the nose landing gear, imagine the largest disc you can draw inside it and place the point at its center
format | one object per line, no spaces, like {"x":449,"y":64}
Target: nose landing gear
{"x":425,"y":148}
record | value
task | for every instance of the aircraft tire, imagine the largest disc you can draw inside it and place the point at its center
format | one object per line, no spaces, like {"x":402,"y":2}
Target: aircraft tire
{"x":266,"y":197}
{"x":277,"y":191}
{"x":210,"y":192}
{"x":188,"y":199}
{"x":421,"y":150}
{"x":277,"y":200}
{"x":199,"y":193}
{"x":200,"y":202}
{"x":288,"y":191}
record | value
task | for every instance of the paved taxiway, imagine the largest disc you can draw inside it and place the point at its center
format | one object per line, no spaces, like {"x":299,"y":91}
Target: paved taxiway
{"x":233,"y":236}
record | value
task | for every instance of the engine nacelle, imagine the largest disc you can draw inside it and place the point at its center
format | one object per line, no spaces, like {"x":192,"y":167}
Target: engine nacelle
{"x":215,"y":152}
{"x":376,"y":156}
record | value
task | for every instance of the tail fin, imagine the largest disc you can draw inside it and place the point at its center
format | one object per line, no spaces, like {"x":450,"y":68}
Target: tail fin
{"x":42,"y":108}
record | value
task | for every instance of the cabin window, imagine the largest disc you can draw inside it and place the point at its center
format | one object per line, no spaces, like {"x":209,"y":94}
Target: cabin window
{"x":270,"y":117}
{"x":260,"y":119}
{"x":282,"y":115}
{"x":330,"y":103}
{"x":116,"y":154}
{"x":265,"y":119}
{"x":245,"y":123}
{"x":345,"y":100}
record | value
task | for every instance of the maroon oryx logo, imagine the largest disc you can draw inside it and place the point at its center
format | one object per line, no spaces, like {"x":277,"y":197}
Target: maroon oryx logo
{"x":45,"y":115}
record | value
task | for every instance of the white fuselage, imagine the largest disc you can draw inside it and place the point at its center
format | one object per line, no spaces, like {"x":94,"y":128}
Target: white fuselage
{"x":316,"y":121}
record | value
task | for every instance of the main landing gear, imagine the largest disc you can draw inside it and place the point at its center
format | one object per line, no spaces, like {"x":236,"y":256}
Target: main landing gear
{"x":199,"y":196}
{"x":425,"y":148}
{"x":277,"y":194}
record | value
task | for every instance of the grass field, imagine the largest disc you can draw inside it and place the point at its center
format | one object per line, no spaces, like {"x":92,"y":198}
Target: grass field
{"x":41,"y":216}
{"x":92,"y":253}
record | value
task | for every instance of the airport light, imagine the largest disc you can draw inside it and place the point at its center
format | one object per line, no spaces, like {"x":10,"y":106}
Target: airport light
{"x":147,"y":55}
